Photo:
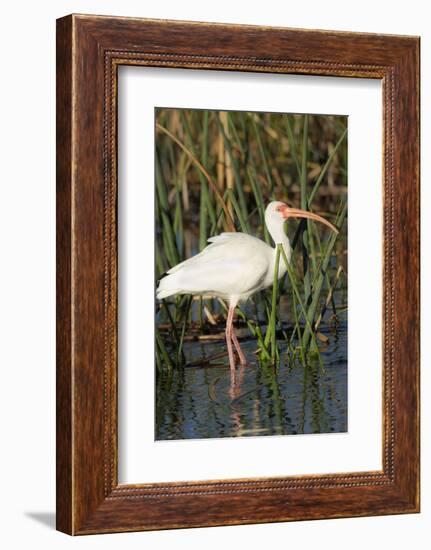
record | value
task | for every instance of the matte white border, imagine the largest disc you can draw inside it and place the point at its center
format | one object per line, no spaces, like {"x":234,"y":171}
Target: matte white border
{"x":143,"y":460}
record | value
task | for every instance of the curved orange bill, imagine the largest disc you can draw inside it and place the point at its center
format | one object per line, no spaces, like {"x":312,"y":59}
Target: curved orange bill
{"x":297,"y":213}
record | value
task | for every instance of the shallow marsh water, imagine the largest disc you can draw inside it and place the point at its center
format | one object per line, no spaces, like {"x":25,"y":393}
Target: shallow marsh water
{"x":202,"y":402}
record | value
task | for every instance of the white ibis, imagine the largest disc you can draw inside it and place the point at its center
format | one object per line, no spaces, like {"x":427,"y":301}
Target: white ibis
{"x":235,"y":266}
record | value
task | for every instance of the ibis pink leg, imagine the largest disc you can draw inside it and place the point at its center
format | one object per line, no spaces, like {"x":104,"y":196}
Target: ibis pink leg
{"x":241,"y":355}
{"x":229,"y":340}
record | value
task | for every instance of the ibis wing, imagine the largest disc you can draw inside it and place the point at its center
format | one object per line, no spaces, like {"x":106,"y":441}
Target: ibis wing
{"x":220,"y":243}
{"x":234,"y":264}
{"x":198,"y":257}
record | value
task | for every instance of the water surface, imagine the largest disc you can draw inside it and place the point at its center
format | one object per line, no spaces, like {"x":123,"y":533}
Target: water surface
{"x":200,"y":401}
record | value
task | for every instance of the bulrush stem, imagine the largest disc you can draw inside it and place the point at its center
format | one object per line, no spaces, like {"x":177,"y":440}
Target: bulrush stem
{"x":304,"y":206}
{"x":229,"y":220}
{"x":301,"y":304}
{"x":317,"y":287}
{"x":274,"y":305}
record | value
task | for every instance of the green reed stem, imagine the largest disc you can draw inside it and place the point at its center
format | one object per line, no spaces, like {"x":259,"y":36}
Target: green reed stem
{"x":263,"y":155}
{"x":258,"y":197}
{"x":274,"y":305}
{"x":302,"y":306}
{"x":292,"y":143}
{"x":164,"y":354}
{"x":237,"y":208}
{"x":304,"y":206}
{"x":235,"y":168}
{"x":203,"y":214}
{"x":183,"y":330}
{"x":168,"y":233}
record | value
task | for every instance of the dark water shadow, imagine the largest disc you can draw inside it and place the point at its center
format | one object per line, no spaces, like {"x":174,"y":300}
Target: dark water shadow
{"x":45,"y":518}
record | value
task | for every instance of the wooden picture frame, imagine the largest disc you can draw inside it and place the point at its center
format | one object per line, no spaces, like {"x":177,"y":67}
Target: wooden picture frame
{"x":89,"y":51}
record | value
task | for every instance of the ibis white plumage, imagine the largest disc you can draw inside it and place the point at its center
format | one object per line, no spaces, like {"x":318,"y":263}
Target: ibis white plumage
{"x":235,"y":266}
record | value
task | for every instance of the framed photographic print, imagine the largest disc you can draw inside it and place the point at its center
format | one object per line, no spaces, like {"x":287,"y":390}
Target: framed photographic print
{"x":237,"y":274}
